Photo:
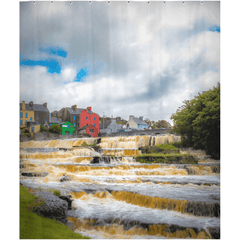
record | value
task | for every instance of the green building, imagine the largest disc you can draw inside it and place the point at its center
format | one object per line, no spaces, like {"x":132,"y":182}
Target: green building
{"x":67,"y":127}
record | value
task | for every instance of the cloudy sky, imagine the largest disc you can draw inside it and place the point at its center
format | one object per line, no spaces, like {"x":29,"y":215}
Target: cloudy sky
{"x":122,"y":59}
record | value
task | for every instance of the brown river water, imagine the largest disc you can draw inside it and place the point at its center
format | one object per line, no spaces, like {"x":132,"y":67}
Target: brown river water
{"x":122,"y":198}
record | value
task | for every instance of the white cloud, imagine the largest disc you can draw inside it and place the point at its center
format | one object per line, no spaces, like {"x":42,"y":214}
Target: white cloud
{"x":69,"y":73}
{"x":209,"y":79}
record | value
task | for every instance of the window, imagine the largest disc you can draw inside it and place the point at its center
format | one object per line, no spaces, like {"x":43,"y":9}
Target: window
{"x":21,"y":115}
{"x":86,"y":118}
{"x":74,"y":124}
{"x":73,"y":117}
{"x":26,"y":115}
{"x":49,"y":114}
{"x":37,"y":122}
{"x":21,"y":122}
{"x":25,"y":122}
{"x":37,"y":115}
{"x":32,"y":129}
{"x":94,"y":118}
{"x":91,"y":130}
{"x":45,"y":120}
{"x":30,"y":119}
{"x":50,"y":124}
{"x":94,"y":125}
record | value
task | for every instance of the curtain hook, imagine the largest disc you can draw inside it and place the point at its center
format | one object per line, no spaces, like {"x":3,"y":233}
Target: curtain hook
{"x":71,"y":2}
{"x":108,"y":1}
{"x":51,"y":1}
{"x":34,"y":2}
{"x":90,"y":2}
{"x":128,"y":2}
{"x":148,"y":2}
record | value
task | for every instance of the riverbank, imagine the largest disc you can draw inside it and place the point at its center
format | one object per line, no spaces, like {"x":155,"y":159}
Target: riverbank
{"x":33,"y":226}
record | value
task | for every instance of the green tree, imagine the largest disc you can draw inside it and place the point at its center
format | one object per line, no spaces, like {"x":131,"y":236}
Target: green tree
{"x":198,"y":122}
{"x":162,"y":124}
{"x":55,"y":129}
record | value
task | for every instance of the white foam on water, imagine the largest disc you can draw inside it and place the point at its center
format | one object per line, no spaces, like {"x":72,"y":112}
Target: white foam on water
{"x":107,"y":208}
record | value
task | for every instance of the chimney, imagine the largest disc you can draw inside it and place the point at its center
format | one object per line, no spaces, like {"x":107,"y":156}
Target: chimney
{"x":45,"y":104}
{"x":74,"y":107}
{"x":23,"y":105}
{"x":89,"y":108}
{"x":131,"y":117}
{"x":113,"y":120}
{"x":141,"y":117}
{"x":31,"y":103}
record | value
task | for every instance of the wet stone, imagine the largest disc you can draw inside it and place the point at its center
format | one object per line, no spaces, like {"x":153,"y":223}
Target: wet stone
{"x":53,"y":207}
{"x":65,"y":178}
{"x":34,"y":174}
{"x":68,"y":199}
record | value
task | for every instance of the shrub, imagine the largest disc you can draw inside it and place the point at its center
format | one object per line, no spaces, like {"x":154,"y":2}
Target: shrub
{"x":43,"y":129}
{"x":55,"y":129}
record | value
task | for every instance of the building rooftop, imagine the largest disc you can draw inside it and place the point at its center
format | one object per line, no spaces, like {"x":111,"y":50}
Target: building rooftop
{"x":35,"y":107}
{"x":139,"y":121}
{"x":55,"y":120}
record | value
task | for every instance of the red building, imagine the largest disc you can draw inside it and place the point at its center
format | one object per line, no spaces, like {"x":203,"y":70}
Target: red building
{"x":87,"y":117}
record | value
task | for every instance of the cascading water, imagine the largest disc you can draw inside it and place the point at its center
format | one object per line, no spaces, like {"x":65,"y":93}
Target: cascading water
{"x":117,"y":197}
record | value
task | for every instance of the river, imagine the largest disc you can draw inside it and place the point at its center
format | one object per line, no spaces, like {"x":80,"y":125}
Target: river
{"x":121,"y":198}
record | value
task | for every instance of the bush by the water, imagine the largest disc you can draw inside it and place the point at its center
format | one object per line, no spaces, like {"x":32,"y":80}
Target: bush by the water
{"x":55,"y":129}
{"x":33,"y":226}
{"x":198,"y":122}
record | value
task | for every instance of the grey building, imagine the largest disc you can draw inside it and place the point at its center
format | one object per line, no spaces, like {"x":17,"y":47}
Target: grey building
{"x":55,"y":120}
{"x":112,"y":127}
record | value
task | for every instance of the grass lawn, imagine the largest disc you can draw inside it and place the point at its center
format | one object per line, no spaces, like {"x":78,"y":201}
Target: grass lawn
{"x":33,"y":226}
{"x":167,"y":158}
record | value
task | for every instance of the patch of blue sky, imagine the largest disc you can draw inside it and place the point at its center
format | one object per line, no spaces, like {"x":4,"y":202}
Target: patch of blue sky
{"x":55,"y":51}
{"x":81,"y":75}
{"x":214,"y":29}
{"x":91,"y":69}
{"x":52,"y":65}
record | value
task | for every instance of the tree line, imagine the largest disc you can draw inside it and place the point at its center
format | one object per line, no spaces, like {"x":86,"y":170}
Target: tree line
{"x":198,"y":122}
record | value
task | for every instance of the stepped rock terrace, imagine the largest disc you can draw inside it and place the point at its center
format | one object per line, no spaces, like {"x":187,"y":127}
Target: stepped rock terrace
{"x":115,"y":196}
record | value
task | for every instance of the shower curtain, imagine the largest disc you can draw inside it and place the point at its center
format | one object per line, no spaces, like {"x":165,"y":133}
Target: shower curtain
{"x":104,"y":83}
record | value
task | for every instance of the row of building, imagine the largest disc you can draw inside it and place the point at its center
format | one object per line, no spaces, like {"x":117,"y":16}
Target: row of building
{"x":73,"y":120}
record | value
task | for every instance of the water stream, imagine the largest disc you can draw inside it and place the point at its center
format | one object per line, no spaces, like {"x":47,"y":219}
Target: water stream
{"x":118,"y":197}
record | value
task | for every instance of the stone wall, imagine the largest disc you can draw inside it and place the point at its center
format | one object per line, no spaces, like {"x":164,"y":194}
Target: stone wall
{"x":139,"y":132}
{"x":48,"y":136}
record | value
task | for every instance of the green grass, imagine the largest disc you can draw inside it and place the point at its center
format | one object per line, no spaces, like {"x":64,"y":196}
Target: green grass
{"x":94,"y":145}
{"x":167,"y":158}
{"x":168,"y":146}
{"x":33,"y":226}
{"x":55,"y":192}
